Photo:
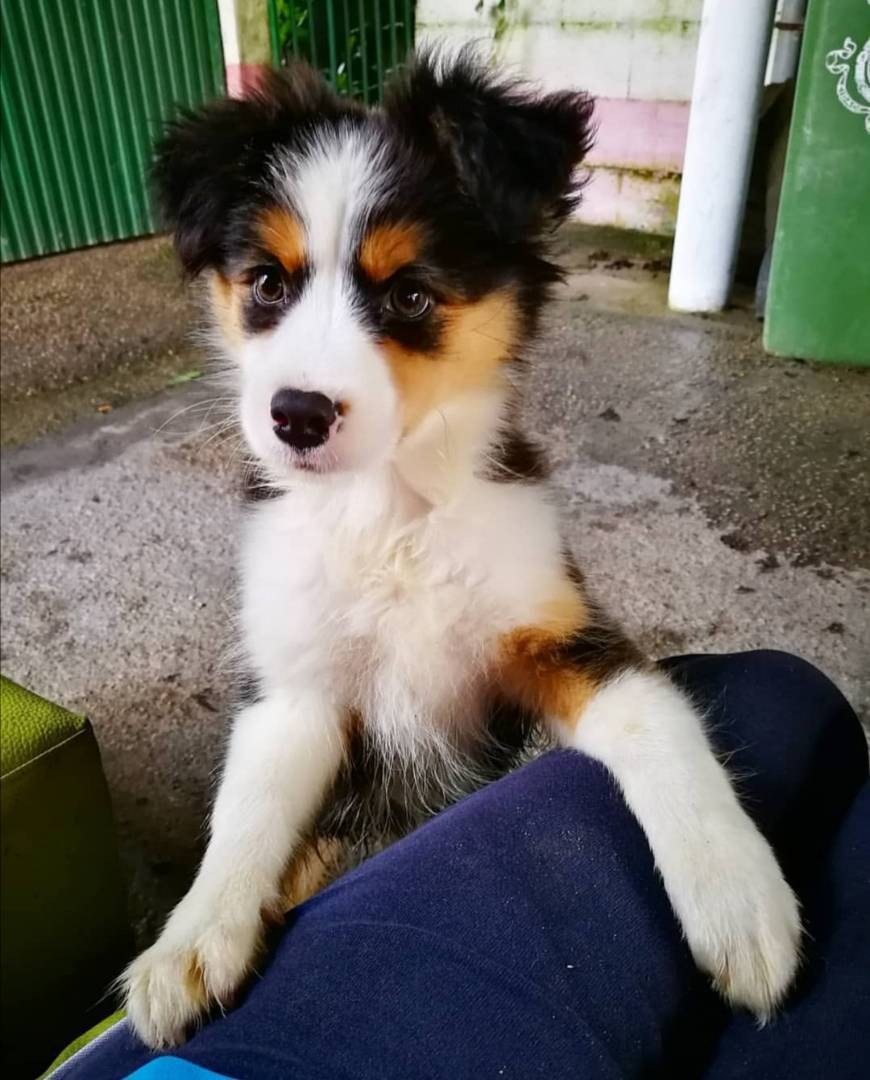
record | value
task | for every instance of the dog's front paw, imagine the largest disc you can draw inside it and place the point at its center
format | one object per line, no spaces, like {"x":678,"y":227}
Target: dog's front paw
{"x":741,"y":919}
{"x":196,"y":963}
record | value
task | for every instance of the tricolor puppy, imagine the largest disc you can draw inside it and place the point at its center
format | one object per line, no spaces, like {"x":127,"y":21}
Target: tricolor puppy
{"x":410,"y":611}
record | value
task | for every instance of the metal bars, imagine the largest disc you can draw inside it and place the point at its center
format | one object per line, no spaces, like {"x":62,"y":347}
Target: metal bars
{"x":85,"y":87}
{"x":355,"y":44}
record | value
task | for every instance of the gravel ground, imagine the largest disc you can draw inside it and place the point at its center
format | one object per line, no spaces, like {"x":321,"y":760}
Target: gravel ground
{"x":718,"y":499}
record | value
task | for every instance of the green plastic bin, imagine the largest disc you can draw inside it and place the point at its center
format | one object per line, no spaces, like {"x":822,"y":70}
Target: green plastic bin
{"x":65,"y":934}
{"x":818,"y":305}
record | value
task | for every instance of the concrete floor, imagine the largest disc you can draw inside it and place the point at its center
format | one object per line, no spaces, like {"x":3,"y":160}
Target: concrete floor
{"x":718,"y":499}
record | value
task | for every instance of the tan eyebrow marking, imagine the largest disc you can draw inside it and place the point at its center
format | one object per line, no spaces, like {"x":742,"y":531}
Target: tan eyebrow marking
{"x":387,"y":248}
{"x":282,"y":235}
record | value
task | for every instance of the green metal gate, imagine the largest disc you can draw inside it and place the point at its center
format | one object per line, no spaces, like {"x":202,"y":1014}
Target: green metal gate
{"x":355,"y":43}
{"x":85,"y":87}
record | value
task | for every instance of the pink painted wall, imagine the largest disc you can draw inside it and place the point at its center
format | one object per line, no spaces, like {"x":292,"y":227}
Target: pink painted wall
{"x":640,"y":134}
{"x":241,"y":78}
{"x":636,"y":164}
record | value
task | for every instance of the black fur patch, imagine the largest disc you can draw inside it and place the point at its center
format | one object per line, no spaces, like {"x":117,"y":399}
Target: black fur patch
{"x":247,"y":689}
{"x":372,"y":803}
{"x":516,"y":459}
{"x":258,"y":318}
{"x":210,"y":164}
{"x":514,"y":151}
{"x":600,"y":650}
{"x":422,"y":335}
{"x":575,"y":574}
{"x":255,"y":487}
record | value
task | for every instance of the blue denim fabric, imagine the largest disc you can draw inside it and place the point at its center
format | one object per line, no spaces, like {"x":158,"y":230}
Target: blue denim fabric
{"x":524,"y":933}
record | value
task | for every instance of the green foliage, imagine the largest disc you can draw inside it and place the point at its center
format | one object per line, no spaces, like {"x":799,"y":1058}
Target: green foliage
{"x":355,"y":43}
{"x":185,"y":377}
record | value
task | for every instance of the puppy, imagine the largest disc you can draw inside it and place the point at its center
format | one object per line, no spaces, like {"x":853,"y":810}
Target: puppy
{"x":410,"y":611}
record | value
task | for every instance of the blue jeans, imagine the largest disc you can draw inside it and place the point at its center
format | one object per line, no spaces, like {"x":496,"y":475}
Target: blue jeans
{"x":524,"y":932}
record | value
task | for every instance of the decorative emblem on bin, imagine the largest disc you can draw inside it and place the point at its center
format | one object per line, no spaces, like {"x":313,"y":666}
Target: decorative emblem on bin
{"x":839,"y":62}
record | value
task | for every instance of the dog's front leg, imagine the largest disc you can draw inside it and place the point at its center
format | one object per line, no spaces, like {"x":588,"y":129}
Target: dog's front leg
{"x":738,"y":915}
{"x":283,"y":754}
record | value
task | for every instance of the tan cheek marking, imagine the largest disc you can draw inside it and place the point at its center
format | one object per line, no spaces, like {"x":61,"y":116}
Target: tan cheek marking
{"x":530,"y":667}
{"x":476,"y":340}
{"x":387,"y":248}
{"x":281,"y":233}
{"x":226,"y":305}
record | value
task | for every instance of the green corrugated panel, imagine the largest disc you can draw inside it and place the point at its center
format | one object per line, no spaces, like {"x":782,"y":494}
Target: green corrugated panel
{"x":85,"y":87}
{"x":355,"y":43}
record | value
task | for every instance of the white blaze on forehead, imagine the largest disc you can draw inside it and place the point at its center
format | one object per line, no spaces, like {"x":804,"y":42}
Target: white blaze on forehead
{"x":331,"y":186}
{"x":322,"y":342}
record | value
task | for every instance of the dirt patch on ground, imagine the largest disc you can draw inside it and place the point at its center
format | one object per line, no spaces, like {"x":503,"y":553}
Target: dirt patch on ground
{"x":86,"y":331}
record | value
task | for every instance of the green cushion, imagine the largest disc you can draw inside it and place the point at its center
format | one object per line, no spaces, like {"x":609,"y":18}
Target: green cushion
{"x":65,"y":932}
{"x":31,"y":726}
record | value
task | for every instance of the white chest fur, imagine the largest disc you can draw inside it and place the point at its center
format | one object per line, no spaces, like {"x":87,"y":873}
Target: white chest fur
{"x":391,"y":605}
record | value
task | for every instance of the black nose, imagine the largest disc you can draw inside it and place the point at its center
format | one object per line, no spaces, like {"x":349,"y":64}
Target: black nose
{"x":302,"y":418}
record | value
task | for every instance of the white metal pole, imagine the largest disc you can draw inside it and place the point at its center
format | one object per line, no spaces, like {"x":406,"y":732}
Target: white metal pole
{"x":785,"y":46}
{"x":729,"y":73}
{"x":229,"y":24}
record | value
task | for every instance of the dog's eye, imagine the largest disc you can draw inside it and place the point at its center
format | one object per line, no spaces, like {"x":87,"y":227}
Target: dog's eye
{"x":408,"y":301}
{"x":269,"y":288}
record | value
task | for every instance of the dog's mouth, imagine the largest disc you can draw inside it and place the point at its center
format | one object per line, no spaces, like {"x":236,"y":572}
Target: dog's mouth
{"x":318,"y":460}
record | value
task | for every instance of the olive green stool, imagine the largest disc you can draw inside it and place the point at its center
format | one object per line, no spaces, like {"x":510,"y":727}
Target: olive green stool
{"x":65,"y":934}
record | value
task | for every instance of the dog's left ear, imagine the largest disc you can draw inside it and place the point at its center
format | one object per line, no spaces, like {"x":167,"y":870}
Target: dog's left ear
{"x":515,"y":150}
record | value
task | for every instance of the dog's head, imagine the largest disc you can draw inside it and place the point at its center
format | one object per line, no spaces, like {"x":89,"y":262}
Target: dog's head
{"x":371,"y":270}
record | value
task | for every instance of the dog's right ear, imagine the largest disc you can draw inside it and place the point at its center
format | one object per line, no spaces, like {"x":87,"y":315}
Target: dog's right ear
{"x":210,"y":160}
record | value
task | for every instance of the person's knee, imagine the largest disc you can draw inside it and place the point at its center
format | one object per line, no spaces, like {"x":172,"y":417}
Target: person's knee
{"x":794,"y":696}
{"x":797,"y":680}
{"x":785,"y":665}
{"x":554,"y":783}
